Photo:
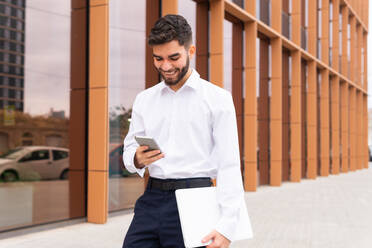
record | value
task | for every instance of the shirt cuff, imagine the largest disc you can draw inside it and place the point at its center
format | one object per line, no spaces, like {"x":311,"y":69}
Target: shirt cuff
{"x":227,"y":228}
{"x":128,"y":159}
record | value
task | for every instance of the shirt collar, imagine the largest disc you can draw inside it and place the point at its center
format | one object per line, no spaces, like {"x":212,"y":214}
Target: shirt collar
{"x":191,"y":82}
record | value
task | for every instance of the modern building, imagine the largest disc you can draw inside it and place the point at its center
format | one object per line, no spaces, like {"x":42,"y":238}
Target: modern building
{"x":297,"y":71}
{"x":12,"y":38}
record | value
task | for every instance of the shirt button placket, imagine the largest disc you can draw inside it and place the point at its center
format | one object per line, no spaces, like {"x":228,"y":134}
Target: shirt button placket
{"x":172,"y":119}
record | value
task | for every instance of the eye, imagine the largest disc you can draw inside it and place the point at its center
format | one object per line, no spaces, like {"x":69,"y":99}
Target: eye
{"x":174,"y":58}
{"x":158,"y":59}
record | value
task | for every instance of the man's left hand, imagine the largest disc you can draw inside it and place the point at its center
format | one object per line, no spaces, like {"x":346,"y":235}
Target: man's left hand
{"x":218,"y":240}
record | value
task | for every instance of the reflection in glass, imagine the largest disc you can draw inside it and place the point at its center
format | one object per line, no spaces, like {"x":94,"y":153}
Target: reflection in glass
{"x":227,"y":41}
{"x":34,"y":83}
{"x":126,"y":80}
{"x":187,"y":8}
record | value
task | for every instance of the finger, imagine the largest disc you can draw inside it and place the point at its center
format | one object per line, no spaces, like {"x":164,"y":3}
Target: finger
{"x":153,"y":153}
{"x":142,"y":148}
{"x":155,"y":158}
{"x":208,"y":237}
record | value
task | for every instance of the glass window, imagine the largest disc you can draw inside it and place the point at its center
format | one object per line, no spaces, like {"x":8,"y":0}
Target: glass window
{"x":11,"y":93}
{"x":7,"y":10}
{"x":126,"y":80}
{"x":6,"y":57}
{"x":7,"y":33}
{"x":59,"y":154}
{"x":187,"y":9}
{"x":35,"y":156}
{"x":20,"y":13}
{"x":3,"y":20}
{"x":12,"y":81}
{"x":38,"y":99}
{"x":227,"y":41}
{"x":18,"y":95}
{"x":13,"y":23}
{"x":19,"y":25}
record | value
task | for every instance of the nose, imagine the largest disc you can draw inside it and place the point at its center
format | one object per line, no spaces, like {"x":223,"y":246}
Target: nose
{"x":166,"y":66}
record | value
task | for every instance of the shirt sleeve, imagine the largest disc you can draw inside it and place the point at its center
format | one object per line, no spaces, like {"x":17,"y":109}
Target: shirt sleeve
{"x":136,"y":128}
{"x":225,"y":154}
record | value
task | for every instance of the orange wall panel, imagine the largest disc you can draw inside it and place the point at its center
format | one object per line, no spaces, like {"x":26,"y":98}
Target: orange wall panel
{"x":216,"y":42}
{"x":169,"y":7}
{"x":250,"y":108}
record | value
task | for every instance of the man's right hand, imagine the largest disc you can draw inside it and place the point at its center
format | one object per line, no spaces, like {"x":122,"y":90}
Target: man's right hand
{"x":142,"y":158}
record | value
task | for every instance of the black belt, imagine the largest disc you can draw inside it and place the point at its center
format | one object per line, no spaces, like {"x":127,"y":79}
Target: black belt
{"x":173,"y":184}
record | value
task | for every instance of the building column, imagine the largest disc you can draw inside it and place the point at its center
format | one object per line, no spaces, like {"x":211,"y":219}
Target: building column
{"x":324,"y":123}
{"x":98,"y":112}
{"x":345,"y":126}
{"x":276,"y":122}
{"x":285,"y":115}
{"x":365,"y":132}
{"x":250,"y":6}
{"x":345,"y":21}
{"x":78,"y":121}
{"x":169,"y":7}
{"x":335,"y":36}
{"x":202,"y":39}
{"x":352,"y":98}
{"x":365,"y":45}
{"x":250,"y":108}
{"x":237,"y":83}
{"x":312,"y":28}
{"x":359,"y":43}
{"x":295,"y":118}
{"x":263,"y":114}
{"x":276,"y":16}
{"x":151,"y":74}
{"x":296,"y":22}
{"x":335,"y":107}
{"x":359,"y":131}
{"x":216,"y":42}
{"x":312,"y":119}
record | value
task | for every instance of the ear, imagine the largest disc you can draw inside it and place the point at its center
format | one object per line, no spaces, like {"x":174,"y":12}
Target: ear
{"x":192,"y":51}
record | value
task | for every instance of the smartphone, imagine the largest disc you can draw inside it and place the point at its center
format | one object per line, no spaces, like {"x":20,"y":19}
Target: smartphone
{"x":147,"y":141}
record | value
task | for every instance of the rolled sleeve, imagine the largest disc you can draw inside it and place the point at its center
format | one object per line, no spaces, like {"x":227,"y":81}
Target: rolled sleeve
{"x":226,"y":155}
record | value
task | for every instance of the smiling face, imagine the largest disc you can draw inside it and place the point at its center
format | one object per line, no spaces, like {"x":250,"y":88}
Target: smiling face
{"x":172,"y":62}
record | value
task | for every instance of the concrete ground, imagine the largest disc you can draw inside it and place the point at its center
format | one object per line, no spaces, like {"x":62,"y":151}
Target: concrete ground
{"x":334,"y":211}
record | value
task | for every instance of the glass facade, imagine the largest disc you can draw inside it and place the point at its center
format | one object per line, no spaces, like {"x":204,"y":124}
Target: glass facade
{"x":126,"y":79}
{"x":227,"y":42}
{"x":188,"y":10}
{"x":34,"y":112}
{"x":38,"y":47}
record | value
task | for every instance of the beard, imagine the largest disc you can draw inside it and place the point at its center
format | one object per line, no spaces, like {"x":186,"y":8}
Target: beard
{"x":181,"y":73}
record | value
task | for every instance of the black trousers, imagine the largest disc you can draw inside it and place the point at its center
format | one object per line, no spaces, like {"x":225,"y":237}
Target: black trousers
{"x":156,"y":221}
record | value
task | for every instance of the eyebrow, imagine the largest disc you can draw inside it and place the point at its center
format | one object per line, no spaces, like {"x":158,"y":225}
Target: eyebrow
{"x":170,"y":56}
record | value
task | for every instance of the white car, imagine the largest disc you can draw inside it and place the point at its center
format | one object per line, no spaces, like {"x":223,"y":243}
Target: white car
{"x":34,"y":163}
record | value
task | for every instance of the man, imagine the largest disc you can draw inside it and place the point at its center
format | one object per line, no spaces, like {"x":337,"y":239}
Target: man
{"x":194,"y":123}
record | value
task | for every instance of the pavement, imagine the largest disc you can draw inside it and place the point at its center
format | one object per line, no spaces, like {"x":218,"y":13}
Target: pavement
{"x":333,"y":211}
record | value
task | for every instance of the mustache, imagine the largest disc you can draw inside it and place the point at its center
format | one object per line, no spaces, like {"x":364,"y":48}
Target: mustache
{"x":173,"y":70}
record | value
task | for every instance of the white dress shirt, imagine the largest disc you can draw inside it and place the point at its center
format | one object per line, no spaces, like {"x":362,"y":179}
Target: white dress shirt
{"x":195,"y":127}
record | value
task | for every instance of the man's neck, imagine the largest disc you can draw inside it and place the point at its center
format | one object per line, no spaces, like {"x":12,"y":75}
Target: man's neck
{"x":182,"y":81}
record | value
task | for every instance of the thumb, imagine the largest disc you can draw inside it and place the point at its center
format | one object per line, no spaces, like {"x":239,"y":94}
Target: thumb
{"x":208,"y":237}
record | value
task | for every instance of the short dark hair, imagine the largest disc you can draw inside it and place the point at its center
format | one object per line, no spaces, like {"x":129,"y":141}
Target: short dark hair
{"x":168,"y":28}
